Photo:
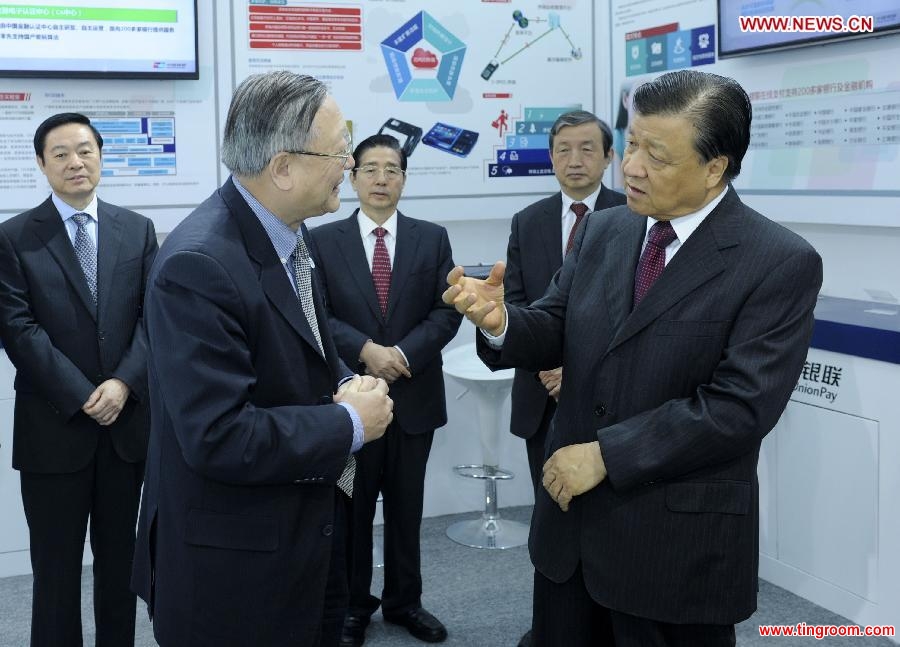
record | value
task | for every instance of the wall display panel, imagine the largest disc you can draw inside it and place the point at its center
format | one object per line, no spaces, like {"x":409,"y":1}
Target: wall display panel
{"x":826,"y":119}
{"x":99,"y":39}
{"x":159,"y":135}
{"x":469,"y":88}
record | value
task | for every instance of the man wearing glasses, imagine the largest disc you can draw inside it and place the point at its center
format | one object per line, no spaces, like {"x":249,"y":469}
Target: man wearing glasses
{"x":241,"y":539}
{"x":384,"y":274}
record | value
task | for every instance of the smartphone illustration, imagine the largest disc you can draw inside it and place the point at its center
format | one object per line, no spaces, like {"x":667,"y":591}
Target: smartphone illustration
{"x":408,"y":135}
{"x":452,"y":139}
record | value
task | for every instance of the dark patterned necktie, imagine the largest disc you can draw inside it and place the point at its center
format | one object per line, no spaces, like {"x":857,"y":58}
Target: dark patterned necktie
{"x":579,"y":209}
{"x":303,"y":277}
{"x":653,"y":260}
{"x":86,"y":252}
{"x":381,"y":269}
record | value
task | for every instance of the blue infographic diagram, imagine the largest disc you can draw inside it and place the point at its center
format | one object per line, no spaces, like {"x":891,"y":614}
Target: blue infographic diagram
{"x":423,"y":60}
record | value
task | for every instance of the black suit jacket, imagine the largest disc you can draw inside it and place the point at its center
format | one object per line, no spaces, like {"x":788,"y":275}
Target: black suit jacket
{"x":418,"y":321}
{"x":236,"y":523}
{"x":62,"y":346}
{"x":679,"y":392}
{"x":533,"y":256}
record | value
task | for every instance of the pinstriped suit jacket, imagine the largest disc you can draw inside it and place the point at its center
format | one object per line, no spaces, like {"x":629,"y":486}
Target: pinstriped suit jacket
{"x":679,"y":392}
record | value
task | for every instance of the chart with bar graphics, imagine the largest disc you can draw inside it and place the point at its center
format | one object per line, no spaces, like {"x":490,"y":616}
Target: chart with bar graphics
{"x":142,"y":145}
{"x":527,"y":151}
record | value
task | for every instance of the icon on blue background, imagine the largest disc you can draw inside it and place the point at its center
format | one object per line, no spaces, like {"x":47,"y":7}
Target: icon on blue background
{"x":703,"y":45}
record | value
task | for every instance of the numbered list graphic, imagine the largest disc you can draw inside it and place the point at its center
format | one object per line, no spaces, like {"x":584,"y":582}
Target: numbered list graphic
{"x":285,"y":24}
{"x":137,"y":145}
{"x":526,"y":150}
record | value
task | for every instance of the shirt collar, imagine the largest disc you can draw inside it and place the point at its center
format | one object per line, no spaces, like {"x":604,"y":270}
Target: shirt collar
{"x":684,"y":226}
{"x":284,"y":239}
{"x":66,"y":210}
{"x":367,"y":225}
{"x":590,"y":201}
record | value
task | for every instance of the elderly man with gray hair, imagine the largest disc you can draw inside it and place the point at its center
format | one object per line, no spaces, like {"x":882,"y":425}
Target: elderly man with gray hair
{"x":255,"y":418}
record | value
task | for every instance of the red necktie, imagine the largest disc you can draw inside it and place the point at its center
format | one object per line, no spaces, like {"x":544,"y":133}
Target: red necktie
{"x":653,"y":260}
{"x":579,"y":209}
{"x":381,"y":269}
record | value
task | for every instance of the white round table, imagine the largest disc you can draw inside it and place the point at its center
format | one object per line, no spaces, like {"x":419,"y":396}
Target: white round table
{"x":489,"y":389}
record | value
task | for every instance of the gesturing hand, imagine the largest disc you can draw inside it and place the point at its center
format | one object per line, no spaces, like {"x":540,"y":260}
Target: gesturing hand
{"x":481,"y":301}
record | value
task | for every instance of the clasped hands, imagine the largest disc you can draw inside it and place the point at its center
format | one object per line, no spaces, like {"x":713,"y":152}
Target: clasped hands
{"x":106,"y":402}
{"x":369,"y":397}
{"x":385,"y":362}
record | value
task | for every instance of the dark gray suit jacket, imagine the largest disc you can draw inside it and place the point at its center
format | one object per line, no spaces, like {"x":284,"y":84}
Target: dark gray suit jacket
{"x":533,"y":256}
{"x":62,"y":346}
{"x":418,"y":321}
{"x":679,"y":392}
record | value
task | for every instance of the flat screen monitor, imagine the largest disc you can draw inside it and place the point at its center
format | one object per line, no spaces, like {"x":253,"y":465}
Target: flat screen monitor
{"x":754,"y":26}
{"x":125,"y":39}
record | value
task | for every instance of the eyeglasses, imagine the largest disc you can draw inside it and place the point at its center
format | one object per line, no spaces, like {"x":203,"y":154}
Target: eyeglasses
{"x":344,"y":156}
{"x":341,"y":156}
{"x":390,"y":172}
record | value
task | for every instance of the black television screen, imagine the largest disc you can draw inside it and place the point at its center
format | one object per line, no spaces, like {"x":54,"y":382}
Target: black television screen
{"x":126,"y":39}
{"x":752,"y":26}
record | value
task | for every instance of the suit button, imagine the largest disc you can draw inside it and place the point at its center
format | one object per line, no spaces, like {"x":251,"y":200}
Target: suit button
{"x":600,"y":410}
{"x":101,"y":336}
{"x":327,"y":530}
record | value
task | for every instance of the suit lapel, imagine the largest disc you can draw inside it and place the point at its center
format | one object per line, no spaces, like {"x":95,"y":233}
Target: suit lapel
{"x":604,"y":199}
{"x":698,"y":261}
{"x":550,"y":231}
{"x":109,"y":237}
{"x":351,"y":246}
{"x":404,"y":252}
{"x":622,"y":255}
{"x":50,"y":229}
{"x":272,"y":276}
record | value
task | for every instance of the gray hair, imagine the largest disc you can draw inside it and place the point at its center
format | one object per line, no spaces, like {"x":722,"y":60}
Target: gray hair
{"x":269,"y":113}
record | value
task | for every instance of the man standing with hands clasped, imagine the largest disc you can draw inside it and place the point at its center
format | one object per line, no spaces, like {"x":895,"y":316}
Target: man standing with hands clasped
{"x":384,"y":274}
{"x":72,"y":276}
{"x":242,"y":530}
{"x":646,"y":533}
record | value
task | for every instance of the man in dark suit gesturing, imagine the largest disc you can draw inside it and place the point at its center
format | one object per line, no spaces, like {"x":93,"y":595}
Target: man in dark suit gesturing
{"x":540,"y":237}
{"x":384,"y":274}
{"x":241,"y":537}
{"x":646,"y":533}
{"x":72,"y":276}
